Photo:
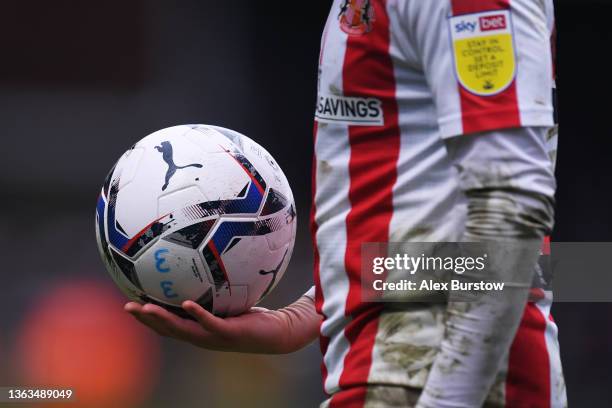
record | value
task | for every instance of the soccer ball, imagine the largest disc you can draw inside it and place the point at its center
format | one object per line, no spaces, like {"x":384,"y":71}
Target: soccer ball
{"x":200,"y":213}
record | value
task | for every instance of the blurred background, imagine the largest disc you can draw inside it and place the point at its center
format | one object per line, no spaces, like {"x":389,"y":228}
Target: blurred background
{"x":80,"y":82}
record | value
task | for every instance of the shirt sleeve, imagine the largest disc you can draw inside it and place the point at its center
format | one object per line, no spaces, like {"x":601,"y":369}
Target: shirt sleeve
{"x":311,"y":293}
{"x":487,"y":62}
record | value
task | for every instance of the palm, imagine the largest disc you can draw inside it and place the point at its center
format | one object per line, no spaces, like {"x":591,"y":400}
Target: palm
{"x":257,"y":331}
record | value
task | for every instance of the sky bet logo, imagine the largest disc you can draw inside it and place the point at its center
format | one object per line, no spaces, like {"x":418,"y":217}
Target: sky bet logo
{"x":486,"y":23}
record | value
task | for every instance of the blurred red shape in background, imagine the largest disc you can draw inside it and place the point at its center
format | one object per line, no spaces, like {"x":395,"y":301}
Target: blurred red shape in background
{"x":78,"y":336}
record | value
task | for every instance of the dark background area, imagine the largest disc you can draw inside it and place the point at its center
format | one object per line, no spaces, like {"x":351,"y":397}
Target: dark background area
{"x":80,"y":82}
{"x":584,"y":194}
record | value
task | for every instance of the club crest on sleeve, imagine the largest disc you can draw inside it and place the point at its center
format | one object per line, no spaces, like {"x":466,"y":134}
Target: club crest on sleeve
{"x":483,"y":50}
{"x":356,"y":16}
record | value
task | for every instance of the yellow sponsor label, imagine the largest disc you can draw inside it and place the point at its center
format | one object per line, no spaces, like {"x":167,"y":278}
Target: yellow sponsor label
{"x":483,"y":48}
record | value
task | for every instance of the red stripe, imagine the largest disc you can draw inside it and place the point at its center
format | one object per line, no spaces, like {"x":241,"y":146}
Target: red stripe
{"x":478,"y":6}
{"x":361,"y":334}
{"x":253,"y":179}
{"x":528,"y":380}
{"x":215,"y":252}
{"x":139,"y":234}
{"x":481,"y":114}
{"x":545,"y":250}
{"x":323,"y":341}
{"x":368,"y":71}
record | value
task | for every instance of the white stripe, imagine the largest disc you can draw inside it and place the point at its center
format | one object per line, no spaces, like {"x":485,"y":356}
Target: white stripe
{"x":427,"y":207}
{"x":549,"y":8}
{"x":558,"y":396}
{"x":332,"y":207}
{"x":532,"y":42}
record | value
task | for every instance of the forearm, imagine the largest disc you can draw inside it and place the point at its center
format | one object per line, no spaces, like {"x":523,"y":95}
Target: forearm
{"x":301,"y":322}
{"x":280,"y":331}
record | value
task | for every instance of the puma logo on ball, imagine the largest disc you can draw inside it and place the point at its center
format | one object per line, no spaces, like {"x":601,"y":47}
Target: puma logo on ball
{"x":166,"y":150}
{"x":273,"y":272}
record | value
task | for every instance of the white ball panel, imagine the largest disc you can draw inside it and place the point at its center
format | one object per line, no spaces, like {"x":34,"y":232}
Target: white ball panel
{"x":179,"y":199}
{"x":161,"y":135}
{"x":172,"y":273}
{"x":128,"y":166}
{"x":208,"y":139}
{"x":287,"y":251}
{"x":280,"y":238}
{"x":222,"y":178}
{"x":226,"y":304}
{"x":244,"y":262}
{"x":132,"y":292}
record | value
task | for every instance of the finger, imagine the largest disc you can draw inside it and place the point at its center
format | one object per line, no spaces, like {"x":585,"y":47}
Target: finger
{"x":152,"y":309}
{"x":132,"y":307}
{"x":163,"y":318}
{"x":151,"y":322}
{"x":164,"y":315}
{"x":178,"y":327}
{"x":256,"y":309}
{"x":206,"y":319}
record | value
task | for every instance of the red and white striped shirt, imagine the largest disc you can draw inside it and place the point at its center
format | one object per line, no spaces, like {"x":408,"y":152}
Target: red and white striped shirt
{"x":396,"y":77}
